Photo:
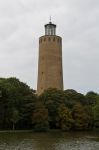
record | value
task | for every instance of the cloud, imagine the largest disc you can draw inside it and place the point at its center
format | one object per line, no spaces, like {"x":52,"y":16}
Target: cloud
{"x":21,"y":24}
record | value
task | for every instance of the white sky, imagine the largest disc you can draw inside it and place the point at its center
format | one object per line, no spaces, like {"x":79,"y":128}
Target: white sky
{"x":21,"y":24}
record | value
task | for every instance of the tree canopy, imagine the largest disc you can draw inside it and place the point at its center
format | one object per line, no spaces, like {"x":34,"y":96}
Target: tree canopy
{"x":21,"y":108}
{"x":17,"y":102}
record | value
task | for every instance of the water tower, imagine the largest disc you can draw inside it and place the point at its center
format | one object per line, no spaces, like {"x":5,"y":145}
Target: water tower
{"x":50,"y":71}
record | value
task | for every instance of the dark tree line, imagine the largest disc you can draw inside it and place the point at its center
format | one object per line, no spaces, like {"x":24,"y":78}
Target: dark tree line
{"x":17,"y":102}
{"x":21,"y":108}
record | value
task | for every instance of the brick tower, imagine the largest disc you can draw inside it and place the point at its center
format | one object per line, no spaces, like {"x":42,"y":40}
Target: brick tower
{"x":50,"y":72}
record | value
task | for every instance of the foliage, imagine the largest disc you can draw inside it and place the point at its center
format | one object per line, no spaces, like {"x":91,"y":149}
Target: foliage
{"x":91,"y":97}
{"x":52,"y":99}
{"x":17,"y":102}
{"x":80,"y":117}
{"x":96,"y":113}
{"x":21,"y":108}
{"x":15,"y":117}
{"x":73,"y":96}
{"x":65,"y":118}
{"x":40,"y":118}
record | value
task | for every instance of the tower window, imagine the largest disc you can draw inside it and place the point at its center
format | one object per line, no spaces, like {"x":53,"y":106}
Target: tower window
{"x":44,"y":39}
{"x":42,"y":72}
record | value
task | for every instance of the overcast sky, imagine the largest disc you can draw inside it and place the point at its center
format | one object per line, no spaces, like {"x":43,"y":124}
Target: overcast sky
{"x":22,"y":23}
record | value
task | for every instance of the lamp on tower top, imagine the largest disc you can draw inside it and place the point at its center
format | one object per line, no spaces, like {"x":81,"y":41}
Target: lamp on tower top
{"x":50,"y":28}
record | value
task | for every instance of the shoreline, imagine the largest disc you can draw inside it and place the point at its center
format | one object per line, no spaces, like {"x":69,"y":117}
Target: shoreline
{"x":51,"y":130}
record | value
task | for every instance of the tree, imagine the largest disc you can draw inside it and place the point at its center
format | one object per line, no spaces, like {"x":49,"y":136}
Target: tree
{"x":80,"y":116}
{"x":52,"y":99}
{"x":73,"y":97}
{"x":17,"y":101}
{"x":96,"y":113}
{"x":65,"y":118}
{"x":15,"y":118}
{"x":4,"y":108}
{"x":40,"y":118}
{"x":91,"y":97}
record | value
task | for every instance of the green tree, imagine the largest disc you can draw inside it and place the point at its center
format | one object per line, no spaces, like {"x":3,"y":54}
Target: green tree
{"x":91,"y":97}
{"x":40,"y":118}
{"x":16,"y":96}
{"x":15,"y":118}
{"x":80,"y":116}
{"x":65,"y":118}
{"x":4,"y":109}
{"x":73,"y":97}
{"x":96,"y":113}
{"x":52,"y":99}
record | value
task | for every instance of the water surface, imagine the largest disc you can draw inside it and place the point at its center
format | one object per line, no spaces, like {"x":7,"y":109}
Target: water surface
{"x":49,"y":141}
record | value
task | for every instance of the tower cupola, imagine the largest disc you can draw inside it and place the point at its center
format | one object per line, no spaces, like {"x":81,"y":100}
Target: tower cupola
{"x":50,"y":29}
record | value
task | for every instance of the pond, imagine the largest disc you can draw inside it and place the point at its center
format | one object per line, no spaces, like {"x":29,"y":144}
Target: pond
{"x":55,"y":140}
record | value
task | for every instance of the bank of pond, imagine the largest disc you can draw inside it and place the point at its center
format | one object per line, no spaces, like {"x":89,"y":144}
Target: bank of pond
{"x":21,"y":108}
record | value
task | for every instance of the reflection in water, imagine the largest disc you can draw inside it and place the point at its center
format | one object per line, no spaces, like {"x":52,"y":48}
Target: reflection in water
{"x":49,"y":141}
